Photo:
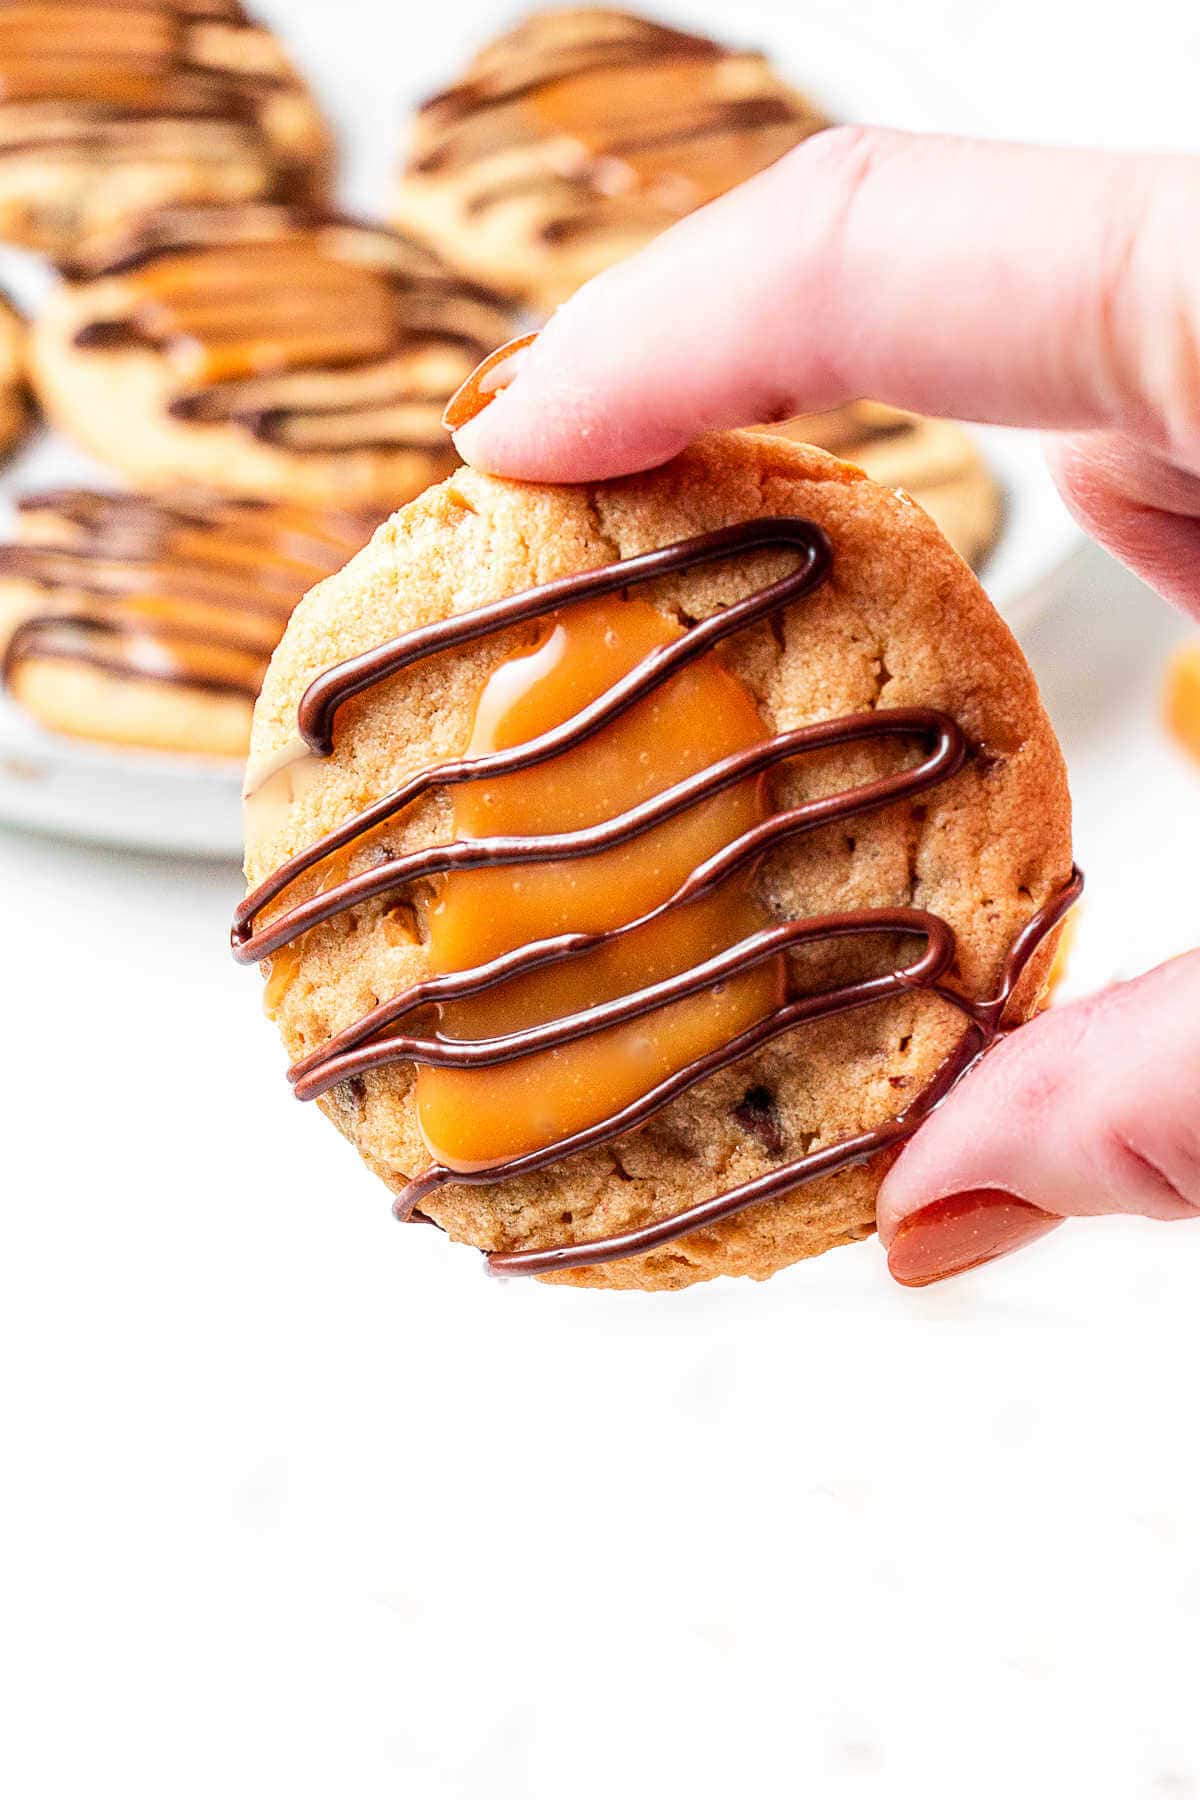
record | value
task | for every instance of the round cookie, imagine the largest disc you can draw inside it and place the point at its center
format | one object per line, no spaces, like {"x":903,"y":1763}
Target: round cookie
{"x":896,"y":622}
{"x":146,"y":623}
{"x":933,"y":460}
{"x":580,"y":134}
{"x":111,"y":108}
{"x":264,"y":351}
{"x":16,"y":408}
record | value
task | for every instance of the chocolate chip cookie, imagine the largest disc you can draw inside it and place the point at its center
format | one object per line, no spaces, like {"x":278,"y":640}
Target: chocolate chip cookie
{"x":635,"y":865}
{"x":263,"y":351}
{"x":149,"y":623}
{"x":580,"y":134}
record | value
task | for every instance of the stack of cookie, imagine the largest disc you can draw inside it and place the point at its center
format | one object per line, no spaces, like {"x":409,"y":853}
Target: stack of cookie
{"x":267,"y":375}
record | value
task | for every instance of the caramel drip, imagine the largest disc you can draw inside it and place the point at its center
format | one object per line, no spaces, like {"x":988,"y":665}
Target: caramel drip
{"x":144,"y":78}
{"x":472,"y":1120}
{"x":308,"y":331}
{"x":373,"y":1043}
{"x":636,"y":110}
{"x":194,"y":592}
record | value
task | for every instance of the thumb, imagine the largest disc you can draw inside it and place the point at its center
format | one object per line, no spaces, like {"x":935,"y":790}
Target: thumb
{"x":1091,"y":1109}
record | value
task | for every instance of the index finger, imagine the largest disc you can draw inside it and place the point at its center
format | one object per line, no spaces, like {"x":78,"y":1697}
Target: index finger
{"x":995,"y":282}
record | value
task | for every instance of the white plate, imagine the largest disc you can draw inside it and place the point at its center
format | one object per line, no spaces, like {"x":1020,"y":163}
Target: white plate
{"x":180,"y":804}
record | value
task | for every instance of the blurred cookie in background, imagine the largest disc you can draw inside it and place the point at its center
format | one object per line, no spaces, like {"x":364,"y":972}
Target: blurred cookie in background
{"x":109,"y":108}
{"x":150,"y":624}
{"x":1182,"y":697}
{"x":16,"y":402}
{"x":577,"y":136}
{"x":274,"y":352}
{"x":934,"y":460}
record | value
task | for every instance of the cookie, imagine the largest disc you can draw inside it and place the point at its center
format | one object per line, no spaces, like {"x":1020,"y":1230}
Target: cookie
{"x":263,"y":351}
{"x":636,"y":985}
{"x":580,"y":134}
{"x":150,"y":623}
{"x":16,"y":407}
{"x":111,"y":108}
{"x":933,"y":460}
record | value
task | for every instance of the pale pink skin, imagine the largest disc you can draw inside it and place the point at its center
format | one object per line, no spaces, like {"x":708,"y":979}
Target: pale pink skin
{"x":1048,"y":288}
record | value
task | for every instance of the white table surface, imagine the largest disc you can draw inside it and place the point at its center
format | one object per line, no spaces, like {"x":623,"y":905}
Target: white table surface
{"x":298,"y":1503}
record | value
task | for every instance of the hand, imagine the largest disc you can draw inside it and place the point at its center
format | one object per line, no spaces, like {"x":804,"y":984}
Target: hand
{"x":1056,"y":289}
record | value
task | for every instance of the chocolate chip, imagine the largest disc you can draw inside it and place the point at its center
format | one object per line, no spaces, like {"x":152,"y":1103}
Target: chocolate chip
{"x":757,"y":1115}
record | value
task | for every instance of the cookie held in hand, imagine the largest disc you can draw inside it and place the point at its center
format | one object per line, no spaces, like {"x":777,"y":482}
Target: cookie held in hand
{"x":653,"y":856}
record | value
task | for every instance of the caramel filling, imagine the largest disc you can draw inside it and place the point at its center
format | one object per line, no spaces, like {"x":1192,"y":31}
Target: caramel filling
{"x":475,"y":1118}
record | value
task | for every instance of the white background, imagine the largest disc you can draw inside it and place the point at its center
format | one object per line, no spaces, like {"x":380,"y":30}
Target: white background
{"x":298,"y":1503}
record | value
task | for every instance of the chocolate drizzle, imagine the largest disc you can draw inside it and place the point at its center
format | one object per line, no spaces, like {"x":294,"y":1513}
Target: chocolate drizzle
{"x":372,"y":1043}
{"x":308,"y":331}
{"x":194,"y":591}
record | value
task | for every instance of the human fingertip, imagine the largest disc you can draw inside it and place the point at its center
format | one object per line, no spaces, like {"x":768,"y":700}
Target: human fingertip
{"x":963,"y":1231}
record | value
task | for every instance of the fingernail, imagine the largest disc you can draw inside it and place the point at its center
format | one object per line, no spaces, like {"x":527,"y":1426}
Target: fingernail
{"x":494,"y":374}
{"x":961,"y":1231}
